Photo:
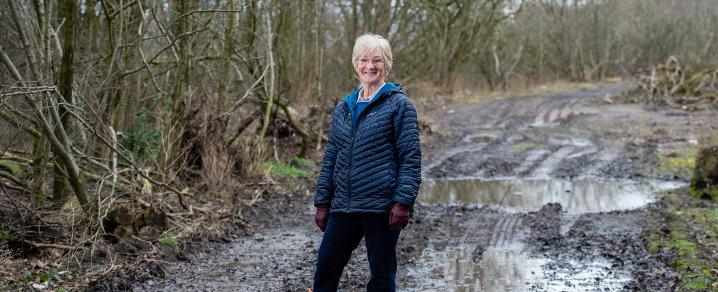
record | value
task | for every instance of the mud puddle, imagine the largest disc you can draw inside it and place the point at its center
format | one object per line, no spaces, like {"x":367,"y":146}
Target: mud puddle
{"x":576,"y":196}
{"x":504,"y":261}
{"x":457,"y":268}
{"x":510,"y":269}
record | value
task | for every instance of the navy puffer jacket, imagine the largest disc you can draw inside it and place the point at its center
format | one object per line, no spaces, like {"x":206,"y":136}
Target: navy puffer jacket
{"x":370,"y":166}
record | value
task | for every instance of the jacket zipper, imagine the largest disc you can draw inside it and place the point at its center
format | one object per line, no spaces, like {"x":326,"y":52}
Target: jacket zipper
{"x":351,"y":146}
{"x":351,"y":159}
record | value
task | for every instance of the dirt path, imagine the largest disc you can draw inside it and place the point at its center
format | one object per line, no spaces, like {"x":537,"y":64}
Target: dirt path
{"x":544,"y":193}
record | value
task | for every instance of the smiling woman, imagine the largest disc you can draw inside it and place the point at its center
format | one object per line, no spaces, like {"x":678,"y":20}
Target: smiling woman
{"x":370,"y":173}
{"x":372,"y":61}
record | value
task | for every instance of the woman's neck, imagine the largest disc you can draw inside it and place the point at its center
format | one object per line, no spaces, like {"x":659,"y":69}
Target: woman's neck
{"x":370,"y":88}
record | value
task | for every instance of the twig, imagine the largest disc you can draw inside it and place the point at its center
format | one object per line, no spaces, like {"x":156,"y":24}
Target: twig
{"x":130,"y":161}
{"x":17,"y":209}
{"x":54,"y":245}
{"x":246,"y":93}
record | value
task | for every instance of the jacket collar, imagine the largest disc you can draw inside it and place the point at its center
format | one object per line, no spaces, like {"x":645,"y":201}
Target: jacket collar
{"x":386,"y":90}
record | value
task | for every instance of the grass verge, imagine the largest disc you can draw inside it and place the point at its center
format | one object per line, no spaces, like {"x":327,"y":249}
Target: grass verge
{"x":688,"y":240}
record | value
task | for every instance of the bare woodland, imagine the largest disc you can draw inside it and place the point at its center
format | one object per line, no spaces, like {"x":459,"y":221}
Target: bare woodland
{"x":155,"y":101}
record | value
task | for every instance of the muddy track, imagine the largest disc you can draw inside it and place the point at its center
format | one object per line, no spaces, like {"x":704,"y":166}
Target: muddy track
{"x":540,"y":193}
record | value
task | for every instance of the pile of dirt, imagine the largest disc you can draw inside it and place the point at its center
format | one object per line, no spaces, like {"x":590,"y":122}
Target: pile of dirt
{"x":612,"y":237}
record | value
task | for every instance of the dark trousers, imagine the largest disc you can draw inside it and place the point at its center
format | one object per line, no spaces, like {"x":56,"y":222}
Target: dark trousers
{"x":343,"y":233}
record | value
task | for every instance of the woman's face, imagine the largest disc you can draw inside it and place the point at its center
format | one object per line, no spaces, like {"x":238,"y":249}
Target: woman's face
{"x":370,"y":67}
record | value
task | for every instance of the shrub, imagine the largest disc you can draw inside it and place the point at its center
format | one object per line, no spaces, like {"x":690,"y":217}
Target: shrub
{"x":170,"y":242}
{"x":142,"y":142}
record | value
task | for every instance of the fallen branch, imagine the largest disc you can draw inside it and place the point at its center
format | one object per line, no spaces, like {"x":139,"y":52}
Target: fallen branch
{"x":54,"y":245}
{"x":676,"y":86}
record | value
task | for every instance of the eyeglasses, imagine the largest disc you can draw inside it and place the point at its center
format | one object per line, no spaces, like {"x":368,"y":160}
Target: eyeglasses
{"x":376,"y":62}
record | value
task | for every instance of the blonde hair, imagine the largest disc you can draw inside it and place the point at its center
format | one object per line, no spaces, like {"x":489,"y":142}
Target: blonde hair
{"x":367,"y":43}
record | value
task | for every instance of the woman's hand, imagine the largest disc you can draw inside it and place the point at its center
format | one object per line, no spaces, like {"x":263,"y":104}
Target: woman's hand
{"x":322,"y":216}
{"x":398,"y":217}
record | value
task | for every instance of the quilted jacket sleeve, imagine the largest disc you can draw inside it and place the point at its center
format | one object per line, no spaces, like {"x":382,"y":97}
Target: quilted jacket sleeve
{"x":325,"y":182}
{"x":408,"y":150}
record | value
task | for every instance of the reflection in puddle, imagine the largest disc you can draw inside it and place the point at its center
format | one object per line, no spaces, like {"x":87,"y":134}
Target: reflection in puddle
{"x":504,"y":266}
{"x":509,"y":269}
{"x":498,"y":270}
{"x":484,"y":137}
{"x":575,"y":196}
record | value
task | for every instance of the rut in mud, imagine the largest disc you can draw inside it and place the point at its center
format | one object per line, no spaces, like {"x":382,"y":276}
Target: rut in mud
{"x":525,"y":193}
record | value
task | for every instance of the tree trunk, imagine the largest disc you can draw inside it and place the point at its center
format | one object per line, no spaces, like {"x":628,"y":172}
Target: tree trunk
{"x":65,"y":80}
{"x":704,"y":183}
{"x":227,"y":54}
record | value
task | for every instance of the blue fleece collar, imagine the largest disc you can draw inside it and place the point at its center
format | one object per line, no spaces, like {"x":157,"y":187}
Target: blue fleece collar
{"x":351,"y":99}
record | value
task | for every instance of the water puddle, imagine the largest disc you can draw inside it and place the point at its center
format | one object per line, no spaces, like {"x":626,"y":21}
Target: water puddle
{"x":576,"y":196}
{"x":510,"y":269}
{"x":481,"y":137}
{"x":455,"y":269}
{"x":504,"y":265}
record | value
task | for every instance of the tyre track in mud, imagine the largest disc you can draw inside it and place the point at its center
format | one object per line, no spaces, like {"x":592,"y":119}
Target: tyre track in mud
{"x":566,"y":257}
{"x":482,"y":222}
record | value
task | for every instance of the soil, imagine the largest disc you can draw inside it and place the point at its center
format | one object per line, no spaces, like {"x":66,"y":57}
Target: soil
{"x":526,"y":193}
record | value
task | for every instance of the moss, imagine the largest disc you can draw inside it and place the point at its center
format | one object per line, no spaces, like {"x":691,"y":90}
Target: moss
{"x":707,"y":193}
{"x":680,"y":165}
{"x":11,"y":167}
{"x":170,"y":242}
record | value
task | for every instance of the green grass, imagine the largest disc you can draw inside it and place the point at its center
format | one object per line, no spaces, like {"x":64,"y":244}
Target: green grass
{"x":689,"y":240}
{"x":170,"y":242}
{"x":280,"y":169}
{"x":695,"y":284}
{"x":303,"y":162}
{"x":704,"y":193}
{"x":7,"y":234}
{"x":712,"y":215}
{"x":684,"y":247}
{"x":680,"y":165}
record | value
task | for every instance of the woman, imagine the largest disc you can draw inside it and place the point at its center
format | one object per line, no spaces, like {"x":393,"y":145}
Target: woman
{"x":370,"y":174}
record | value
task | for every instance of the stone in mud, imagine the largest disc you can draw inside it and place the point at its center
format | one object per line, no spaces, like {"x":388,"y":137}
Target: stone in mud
{"x":149,"y":231}
{"x":122,"y":214}
{"x":127,"y":219}
{"x":704,"y":183}
{"x":122,"y":231}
